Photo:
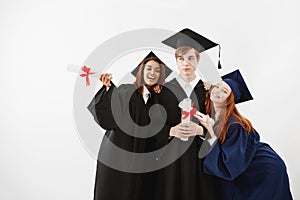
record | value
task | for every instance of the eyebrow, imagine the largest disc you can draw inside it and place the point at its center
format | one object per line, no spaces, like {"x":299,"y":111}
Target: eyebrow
{"x":226,"y":89}
{"x":157,"y":67}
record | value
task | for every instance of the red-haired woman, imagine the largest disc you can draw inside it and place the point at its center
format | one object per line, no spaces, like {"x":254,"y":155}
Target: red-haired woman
{"x":124,"y":111}
{"x":249,"y":169}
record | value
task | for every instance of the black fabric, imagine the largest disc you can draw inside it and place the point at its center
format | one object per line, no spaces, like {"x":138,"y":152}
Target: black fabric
{"x":111,"y":184}
{"x":180,"y":180}
{"x":187,"y":37}
{"x":184,"y":178}
{"x":151,"y":55}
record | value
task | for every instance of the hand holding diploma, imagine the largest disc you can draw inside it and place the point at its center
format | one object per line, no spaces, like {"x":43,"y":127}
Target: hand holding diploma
{"x":185,"y":130}
{"x":105,"y":79}
{"x":188,"y":111}
{"x":187,"y":127}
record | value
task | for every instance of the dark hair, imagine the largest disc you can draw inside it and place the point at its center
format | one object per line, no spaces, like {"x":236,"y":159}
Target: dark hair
{"x":139,"y":81}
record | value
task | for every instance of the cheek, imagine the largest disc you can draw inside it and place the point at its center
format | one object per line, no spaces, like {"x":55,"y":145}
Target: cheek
{"x":179,"y":63}
{"x":195,"y":63}
{"x":145,"y":75}
{"x":224,"y":97}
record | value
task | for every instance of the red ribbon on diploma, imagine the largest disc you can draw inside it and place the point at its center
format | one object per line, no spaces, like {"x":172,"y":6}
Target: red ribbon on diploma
{"x":86,"y":75}
{"x":185,"y":114}
{"x":192,"y":112}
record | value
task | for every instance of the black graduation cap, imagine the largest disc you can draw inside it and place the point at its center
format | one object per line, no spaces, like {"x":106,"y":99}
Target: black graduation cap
{"x":238,"y":86}
{"x":152,"y":55}
{"x":187,"y":37}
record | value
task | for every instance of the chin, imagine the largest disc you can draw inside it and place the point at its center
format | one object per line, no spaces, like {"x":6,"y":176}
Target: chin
{"x":150,"y":84}
{"x":186,"y":73}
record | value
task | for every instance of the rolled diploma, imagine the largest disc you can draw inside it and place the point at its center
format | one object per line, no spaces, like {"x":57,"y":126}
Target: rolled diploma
{"x":77,"y":69}
{"x":185,"y":105}
{"x":203,"y":117}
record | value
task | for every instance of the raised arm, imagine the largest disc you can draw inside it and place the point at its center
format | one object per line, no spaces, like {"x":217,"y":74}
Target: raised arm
{"x":100,"y":106}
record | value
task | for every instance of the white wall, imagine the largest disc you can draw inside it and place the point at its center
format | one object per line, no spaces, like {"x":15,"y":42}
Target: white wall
{"x":40,"y":152}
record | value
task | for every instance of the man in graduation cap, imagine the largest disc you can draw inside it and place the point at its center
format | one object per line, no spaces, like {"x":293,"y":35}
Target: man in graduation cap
{"x":184,"y":179}
{"x":117,"y":176}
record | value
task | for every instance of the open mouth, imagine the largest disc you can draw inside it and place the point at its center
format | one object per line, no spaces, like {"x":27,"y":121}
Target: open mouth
{"x":151,"y":78}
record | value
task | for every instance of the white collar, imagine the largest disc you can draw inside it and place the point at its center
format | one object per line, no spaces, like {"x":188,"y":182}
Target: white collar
{"x":146,"y":94}
{"x":193,"y":83}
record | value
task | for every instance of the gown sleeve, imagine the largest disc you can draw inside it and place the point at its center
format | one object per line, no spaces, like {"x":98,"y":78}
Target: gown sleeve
{"x":101,"y":105}
{"x":232,"y":158}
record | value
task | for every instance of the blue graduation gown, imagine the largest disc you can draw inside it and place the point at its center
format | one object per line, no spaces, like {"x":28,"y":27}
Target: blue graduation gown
{"x":249,"y":168}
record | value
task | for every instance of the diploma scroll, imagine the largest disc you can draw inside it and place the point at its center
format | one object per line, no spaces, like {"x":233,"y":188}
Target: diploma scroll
{"x":186,"y":107}
{"x":84,"y":72}
{"x":188,"y":111}
{"x":204,"y":117}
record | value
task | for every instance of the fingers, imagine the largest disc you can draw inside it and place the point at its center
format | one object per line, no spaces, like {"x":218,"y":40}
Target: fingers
{"x":184,"y":131}
{"x":181,"y":136}
{"x":190,"y":129}
{"x":207,"y":118}
{"x":204,"y":121}
{"x":207,"y":85}
{"x":157,"y":88}
{"x":176,"y":132}
{"x":198,"y":117}
{"x":185,"y":128}
{"x":105,"y":79}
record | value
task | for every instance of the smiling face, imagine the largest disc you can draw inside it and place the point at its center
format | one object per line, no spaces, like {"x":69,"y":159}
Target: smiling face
{"x":151,"y":72}
{"x":220,"y":93}
{"x":187,"y":63}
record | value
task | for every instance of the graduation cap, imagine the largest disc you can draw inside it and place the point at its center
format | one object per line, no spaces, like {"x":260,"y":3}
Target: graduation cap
{"x":168,"y":71}
{"x":187,"y":37}
{"x":238,"y":86}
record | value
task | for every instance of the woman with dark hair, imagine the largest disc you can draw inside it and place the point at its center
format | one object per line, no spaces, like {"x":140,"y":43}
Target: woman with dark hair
{"x":249,"y":169}
{"x":124,"y":180}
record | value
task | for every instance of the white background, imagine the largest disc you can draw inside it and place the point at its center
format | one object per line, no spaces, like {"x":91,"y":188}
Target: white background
{"x":40,"y":152}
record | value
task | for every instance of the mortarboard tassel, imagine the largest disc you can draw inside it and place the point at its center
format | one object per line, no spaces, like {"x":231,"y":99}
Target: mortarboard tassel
{"x":219,"y":63}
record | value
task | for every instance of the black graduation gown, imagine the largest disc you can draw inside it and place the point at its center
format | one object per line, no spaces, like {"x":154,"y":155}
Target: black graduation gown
{"x":112,"y":184}
{"x":184,"y":178}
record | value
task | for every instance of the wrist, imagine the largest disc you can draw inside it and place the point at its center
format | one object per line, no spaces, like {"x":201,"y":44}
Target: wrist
{"x":211,"y":133}
{"x":171,"y":132}
{"x":201,"y":131}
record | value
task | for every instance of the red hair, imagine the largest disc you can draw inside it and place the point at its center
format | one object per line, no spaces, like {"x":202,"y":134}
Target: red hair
{"x":229,"y":110}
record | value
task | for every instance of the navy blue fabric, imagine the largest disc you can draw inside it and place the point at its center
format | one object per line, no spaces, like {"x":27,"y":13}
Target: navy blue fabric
{"x":234,"y":88}
{"x":249,"y":168}
{"x":238,"y":86}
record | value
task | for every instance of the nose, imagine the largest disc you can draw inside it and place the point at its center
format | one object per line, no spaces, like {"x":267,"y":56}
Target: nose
{"x":218,"y":90}
{"x":152,"y":72}
{"x":185,"y":62}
